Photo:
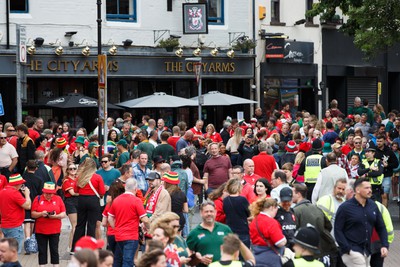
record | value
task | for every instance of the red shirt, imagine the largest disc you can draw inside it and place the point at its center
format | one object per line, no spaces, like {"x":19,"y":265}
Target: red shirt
{"x":215,"y":137}
{"x":45,"y":225}
{"x":248,"y":192}
{"x":127,"y":210}
{"x":33,"y":134}
{"x":264,"y":165}
{"x":251,"y":179}
{"x":13,"y":140}
{"x":97,"y":183}
{"x":172,"y":141}
{"x":110,"y":230}
{"x":219,"y":207}
{"x":196,"y":132}
{"x":269,"y":227}
{"x":346,"y":149}
{"x":11,"y":213}
{"x":68,"y":184}
{"x":3,"y":181}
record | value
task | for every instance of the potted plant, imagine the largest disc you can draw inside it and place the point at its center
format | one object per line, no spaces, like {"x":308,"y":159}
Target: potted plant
{"x":169,"y":44}
{"x":244,"y":44}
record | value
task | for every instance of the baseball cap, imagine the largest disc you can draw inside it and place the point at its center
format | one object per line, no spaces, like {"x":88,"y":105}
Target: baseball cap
{"x":286,"y":194}
{"x":153,"y":176}
{"x":89,"y":243}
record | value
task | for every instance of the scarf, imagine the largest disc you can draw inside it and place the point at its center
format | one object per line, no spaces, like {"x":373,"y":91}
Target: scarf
{"x":151,"y":201}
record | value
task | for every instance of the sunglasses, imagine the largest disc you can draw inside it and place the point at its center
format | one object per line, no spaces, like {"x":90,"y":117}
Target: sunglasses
{"x":357,"y":143}
{"x":3,"y":137}
{"x":60,"y":128}
{"x":70,"y":169}
{"x":11,"y":130}
{"x":104,"y":161}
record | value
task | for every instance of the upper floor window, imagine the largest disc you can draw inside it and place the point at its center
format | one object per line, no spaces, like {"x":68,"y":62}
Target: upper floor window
{"x":215,"y":11}
{"x":309,"y":6}
{"x":19,"y":6}
{"x":121,"y":10}
{"x":275,"y":11}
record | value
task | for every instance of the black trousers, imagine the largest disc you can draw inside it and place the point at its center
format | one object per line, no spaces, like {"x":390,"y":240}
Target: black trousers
{"x":50,"y":241}
{"x":89,"y":212}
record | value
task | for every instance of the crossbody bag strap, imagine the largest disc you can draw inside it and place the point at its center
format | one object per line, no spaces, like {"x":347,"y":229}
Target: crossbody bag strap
{"x":94,"y":190}
{"x":264,"y":238}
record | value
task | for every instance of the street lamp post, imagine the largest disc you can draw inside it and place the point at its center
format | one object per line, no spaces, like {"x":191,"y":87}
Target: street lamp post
{"x":99,"y":123}
{"x":197,"y":66}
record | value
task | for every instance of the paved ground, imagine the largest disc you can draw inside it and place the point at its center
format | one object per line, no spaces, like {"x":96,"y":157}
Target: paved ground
{"x":393,"y":259}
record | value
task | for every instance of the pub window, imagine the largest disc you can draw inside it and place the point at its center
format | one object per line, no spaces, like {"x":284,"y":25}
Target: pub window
{"x":309,"y":5}
{"x":275,"y":11}
{"x":19,"y":6}
{"x":121,"y":10}
{"x":215,"y":11}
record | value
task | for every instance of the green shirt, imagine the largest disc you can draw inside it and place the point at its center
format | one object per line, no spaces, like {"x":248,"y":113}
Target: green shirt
{"x":166,"y":151}
{"x":181,"y":246}
{"x":124,"y":157}
{"x":206,"y":242}
{"x":148,"y":148}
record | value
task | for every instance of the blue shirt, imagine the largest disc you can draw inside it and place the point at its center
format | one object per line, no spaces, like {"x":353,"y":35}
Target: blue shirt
{"x":109,"y":176}
{"x":354,"y":224}
{"x":140,"y":177}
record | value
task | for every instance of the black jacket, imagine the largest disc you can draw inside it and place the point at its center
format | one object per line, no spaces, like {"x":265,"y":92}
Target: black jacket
{"x":392,"y":161}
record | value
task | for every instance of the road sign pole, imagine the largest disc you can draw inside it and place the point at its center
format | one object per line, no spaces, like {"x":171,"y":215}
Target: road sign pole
{"x":20,"y":57}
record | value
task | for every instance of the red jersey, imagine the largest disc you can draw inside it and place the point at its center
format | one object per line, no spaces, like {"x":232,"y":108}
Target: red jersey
{"x":269,"y":227}
{"x":110,"y":230}
{"x":45,"y":225}
{"x":346,"y":149}
{"x":68,"y":184}
{"x":251,"y":179}
{"x":11,"y":213}
{"x":264,"y":165}
{"x":97,"y":183}
{"x":219,"y":207}
{"x":127,"y":210}
{"x":215,"y":137}
{"x":33,"y":134}
{"x":196,"y":132}
{"x":172,"y":140}
{"x":3,"y":181}
{"x":248,"y":192}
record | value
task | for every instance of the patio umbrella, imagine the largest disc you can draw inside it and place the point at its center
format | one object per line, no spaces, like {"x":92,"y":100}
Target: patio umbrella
{"x":158,"y":100}
{"x":215,"y":98}
{"x":75,"y":100}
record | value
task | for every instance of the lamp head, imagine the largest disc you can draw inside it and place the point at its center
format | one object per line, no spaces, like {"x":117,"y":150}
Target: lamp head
{"x":112,"y":50}
{"x":59,"y":50}
{"x":179,"y":52}
{"x":31,"y":50}
{"x":197,"y":52}
{"x":86,"y":51}
{"x":214,"y":52}
{"x":230,"y":53}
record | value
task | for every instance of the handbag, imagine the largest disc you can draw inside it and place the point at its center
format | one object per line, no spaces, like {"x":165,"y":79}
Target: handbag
{"x":101,"y":200}
{"x":30,"y":244}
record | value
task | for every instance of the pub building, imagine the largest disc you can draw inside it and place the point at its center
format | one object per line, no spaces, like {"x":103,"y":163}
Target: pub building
{"x":133,"y":73}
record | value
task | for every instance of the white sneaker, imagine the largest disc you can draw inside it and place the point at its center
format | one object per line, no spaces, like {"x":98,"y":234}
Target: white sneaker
{"x":395,"y":198}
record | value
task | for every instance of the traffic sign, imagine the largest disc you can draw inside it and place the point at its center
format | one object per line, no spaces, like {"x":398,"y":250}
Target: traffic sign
{"x":22,"y":44}
{"x":1,"y":106}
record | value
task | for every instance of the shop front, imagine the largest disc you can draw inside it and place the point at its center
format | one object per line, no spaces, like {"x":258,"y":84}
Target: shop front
{"x":129,"y":77}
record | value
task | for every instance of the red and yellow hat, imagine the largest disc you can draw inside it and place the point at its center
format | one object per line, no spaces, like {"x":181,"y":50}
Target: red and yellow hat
{"x":49,"y":188}
{"x":171,"y":178}
{"x":61,"y":142}
{"x":16,"y":179}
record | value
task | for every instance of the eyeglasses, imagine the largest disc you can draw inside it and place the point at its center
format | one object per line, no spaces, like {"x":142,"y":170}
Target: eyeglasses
{"x":104,"y":161}
{"x":60,"y":128}
{"x":11,"y":130}
{"x":357,"y":143}
{"x":70,"y":169}
{"x":3,"y":137}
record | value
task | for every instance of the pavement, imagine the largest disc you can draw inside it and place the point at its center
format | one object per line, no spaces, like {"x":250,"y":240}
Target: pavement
{"x":392,"y":260}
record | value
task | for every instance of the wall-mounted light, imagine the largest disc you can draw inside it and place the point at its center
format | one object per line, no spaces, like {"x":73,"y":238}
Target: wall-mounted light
{"x":31,"y":49}
{"x":59,"y":50}
{"x":86,"y":51}
{"x":197,"y":52}
{"x":127,"y":42}
{"x":230,"y":53}
{"x":299,"y":22}
{"x":214,"y":52}
{"x":38,"y":41}
{"x":113,"y":50}
{"x":179,"y":52}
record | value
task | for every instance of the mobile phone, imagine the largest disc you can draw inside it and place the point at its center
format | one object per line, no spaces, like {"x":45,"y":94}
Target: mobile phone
{"x":23,"y":187}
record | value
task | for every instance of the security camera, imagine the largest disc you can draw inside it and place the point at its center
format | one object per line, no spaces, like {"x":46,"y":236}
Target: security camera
{"x":253,"y":87}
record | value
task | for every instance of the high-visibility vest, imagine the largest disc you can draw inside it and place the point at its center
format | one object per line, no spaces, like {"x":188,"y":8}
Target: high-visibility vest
{"x":301,"y":262}
{"x":233,"y":264}
{"x":373,"y":180}
{"x":326,"y":204}
{"x":312,"y":168}
{"x":387,"y":220}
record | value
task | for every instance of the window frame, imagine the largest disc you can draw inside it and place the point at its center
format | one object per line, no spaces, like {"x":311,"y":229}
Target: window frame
{"x":18,"y":11}
{"x":123,"y":17}
{"x":217,"y":20}
{"x":276,"y":7}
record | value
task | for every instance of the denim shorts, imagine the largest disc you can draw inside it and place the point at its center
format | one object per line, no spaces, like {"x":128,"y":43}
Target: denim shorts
{"x":17,"y":233}
{"x":386,"y":184}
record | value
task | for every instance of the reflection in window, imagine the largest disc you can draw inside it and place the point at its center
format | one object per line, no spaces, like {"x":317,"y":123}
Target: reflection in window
{"x":309,"y":5}
{"x":121,"y":10}
{"x":216,"y":11}
{"x":19,"y":6}
{"x":275,"y":11}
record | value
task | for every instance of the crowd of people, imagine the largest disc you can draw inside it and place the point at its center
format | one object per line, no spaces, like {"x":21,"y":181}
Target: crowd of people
{"x":284,"y":190}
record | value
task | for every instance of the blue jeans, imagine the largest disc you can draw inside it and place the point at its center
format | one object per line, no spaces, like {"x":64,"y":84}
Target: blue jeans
{"x":17,"y":233}
{"x":186,"y":228}
{"x":124,"y":253}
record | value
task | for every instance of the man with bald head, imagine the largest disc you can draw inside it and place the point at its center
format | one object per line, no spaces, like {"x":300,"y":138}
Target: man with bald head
{"x":249,"y":176}
{"x":184,"y":141}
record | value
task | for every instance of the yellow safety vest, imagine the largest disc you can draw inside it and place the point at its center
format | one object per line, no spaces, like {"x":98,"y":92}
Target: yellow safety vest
{"x":233,"y":264}
{"x":301,"y":262}
{"x":387,"y":220}
{"x":373,"y":180}
{"x":325,"y":203}
{"x":312,"y":168}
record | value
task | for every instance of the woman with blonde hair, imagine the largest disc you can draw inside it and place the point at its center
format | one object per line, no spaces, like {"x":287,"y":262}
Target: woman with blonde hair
{"x":236,"y":209}
{"x":266,"y":233}
{"x":212,"y":134}
{"x":297,"y":162}
{"x":378,"y":109}
{"x":91,"y":189}
{"x":172,"y":219}
{"x":233,"y":144}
